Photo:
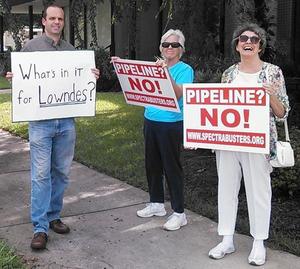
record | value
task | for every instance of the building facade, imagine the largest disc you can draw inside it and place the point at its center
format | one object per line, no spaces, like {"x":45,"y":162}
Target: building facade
{"x":208,"y":27}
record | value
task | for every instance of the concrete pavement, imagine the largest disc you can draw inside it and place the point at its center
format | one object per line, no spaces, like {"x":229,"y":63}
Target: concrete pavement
{"x":5,"y":91}
{"x":106,"y":233}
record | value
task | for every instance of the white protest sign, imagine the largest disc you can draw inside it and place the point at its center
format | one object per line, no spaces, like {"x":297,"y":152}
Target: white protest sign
{"x":226,"y":117}
{"x":145,"y":83}
{"x":52,"y":85}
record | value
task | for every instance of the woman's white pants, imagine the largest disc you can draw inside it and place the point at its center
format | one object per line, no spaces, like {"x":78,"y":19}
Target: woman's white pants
{"x":255,"y":170}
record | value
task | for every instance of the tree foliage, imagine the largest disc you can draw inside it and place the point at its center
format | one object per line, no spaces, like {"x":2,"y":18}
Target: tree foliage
{"x":262,"y":13}
{"x":81,"y":10}
{"x":121,"y":7}
{"x":12,"y":23}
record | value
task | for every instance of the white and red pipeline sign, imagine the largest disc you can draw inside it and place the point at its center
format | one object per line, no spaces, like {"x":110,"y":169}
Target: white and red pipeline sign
{"x":226,"y":117}
{"x":145,"y":83}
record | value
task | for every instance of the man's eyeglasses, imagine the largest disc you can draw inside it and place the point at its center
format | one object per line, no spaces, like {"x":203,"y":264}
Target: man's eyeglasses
{"x":253,"y":39}
{"x":172,"y":44}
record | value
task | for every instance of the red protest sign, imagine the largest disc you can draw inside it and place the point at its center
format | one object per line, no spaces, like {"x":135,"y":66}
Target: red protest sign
{"x":145,"y":83}
{"x":219,"y":116}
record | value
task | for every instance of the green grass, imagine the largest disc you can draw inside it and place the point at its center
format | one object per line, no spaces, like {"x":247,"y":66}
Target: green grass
{"x":112,"y":142}
{"x":4,"y":84}
{"x":5,"y":118}
{"x":8,"y":259}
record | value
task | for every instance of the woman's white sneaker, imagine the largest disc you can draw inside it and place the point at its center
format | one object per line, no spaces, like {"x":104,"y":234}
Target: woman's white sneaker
{"x":220,"y":251}
{"x":152,"y":209}
{"x":175,"y":221}
{"x":257,"y":255}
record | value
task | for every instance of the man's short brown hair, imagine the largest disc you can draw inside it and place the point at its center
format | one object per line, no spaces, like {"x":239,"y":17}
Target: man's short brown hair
{"x":44,"y":13}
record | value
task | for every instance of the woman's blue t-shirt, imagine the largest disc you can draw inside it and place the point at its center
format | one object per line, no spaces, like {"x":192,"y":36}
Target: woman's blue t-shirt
{"x":181,"y":73}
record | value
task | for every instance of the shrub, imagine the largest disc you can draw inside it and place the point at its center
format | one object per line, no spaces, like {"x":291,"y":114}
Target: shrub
{"x":285,"y":181}
{"x":209,"y":68}
{"x":108,"y":79}
{"x":4,"y":63}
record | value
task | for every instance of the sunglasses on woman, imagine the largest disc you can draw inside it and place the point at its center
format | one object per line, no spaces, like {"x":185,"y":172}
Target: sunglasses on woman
{"x":172,"y":44}
{"x":253,"y":39}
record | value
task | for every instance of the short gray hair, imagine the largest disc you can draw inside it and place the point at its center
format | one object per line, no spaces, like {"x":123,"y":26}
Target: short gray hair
{"x":261,"y":33}
{"x":179,"y":34}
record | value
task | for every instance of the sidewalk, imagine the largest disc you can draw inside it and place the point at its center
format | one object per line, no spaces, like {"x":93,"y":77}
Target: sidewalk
{"x":105,"y":231}
{"x":5,"y":91}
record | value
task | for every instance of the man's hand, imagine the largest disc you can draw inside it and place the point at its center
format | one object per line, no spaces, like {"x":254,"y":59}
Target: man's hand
{"x":9,"y":76}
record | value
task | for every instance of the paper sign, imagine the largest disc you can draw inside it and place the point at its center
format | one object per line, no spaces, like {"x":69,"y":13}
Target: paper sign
{"x":52,"y":85}
{"x":145,"y":83}
{"x":226,"y":117}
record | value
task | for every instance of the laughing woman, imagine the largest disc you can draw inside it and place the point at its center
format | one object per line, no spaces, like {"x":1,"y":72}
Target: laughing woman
{"x":249,"y":42}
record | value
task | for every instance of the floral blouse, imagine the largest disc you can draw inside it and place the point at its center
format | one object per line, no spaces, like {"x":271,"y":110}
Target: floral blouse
{"x":272,"y":74}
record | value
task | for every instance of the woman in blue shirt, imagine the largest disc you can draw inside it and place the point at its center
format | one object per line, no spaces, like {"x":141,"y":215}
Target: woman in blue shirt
{"x":163,"y":133}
